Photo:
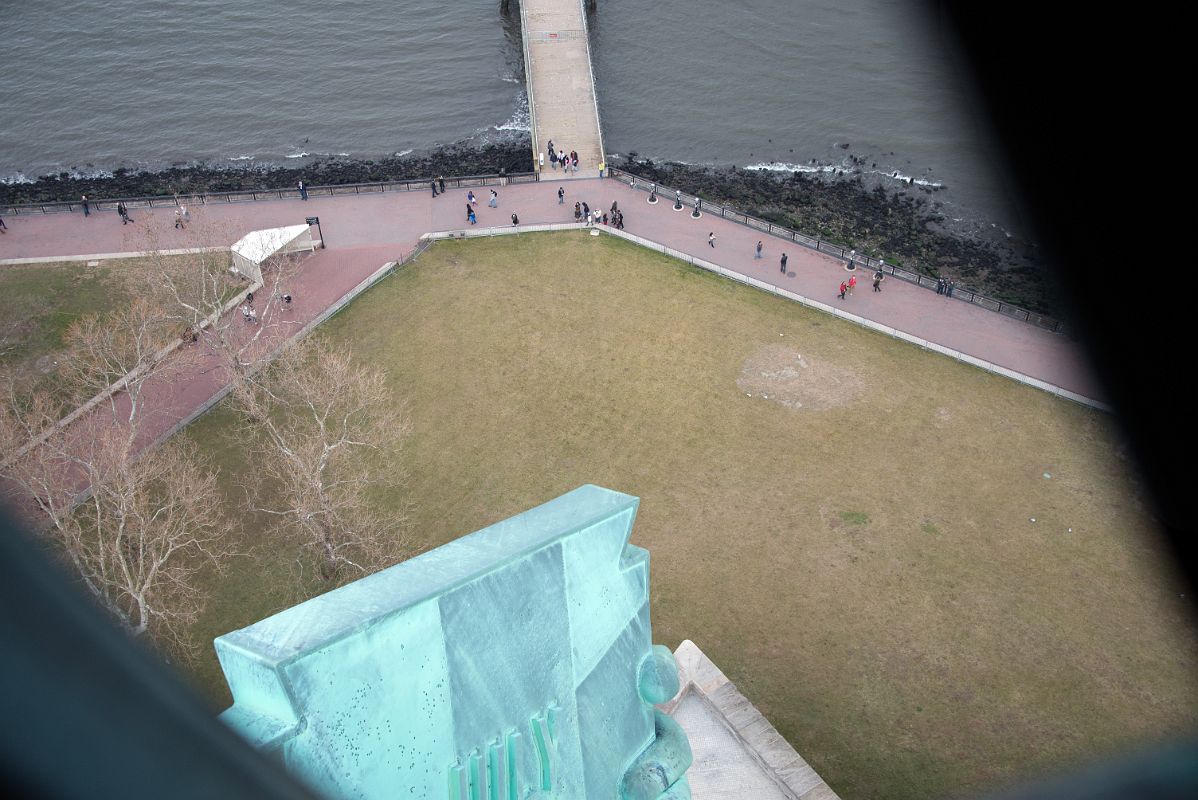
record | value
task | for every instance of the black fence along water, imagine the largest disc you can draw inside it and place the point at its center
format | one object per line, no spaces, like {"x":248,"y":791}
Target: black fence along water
{"x":838,"y":251}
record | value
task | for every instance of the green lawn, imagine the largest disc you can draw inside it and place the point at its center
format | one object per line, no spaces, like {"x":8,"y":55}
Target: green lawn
{"x":852,"y":544}
{"x":39,"y":302}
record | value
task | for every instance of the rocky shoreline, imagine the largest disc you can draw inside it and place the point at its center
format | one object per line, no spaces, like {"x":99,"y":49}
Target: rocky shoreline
{"x":461,"y":158}
{"x":904,"y":229}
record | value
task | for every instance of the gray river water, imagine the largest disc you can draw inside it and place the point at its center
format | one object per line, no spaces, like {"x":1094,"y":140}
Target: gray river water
{"x":92,"y":86}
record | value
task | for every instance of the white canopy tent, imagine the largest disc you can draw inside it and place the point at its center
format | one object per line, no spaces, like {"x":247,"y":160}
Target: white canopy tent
{"x":251,"y":250}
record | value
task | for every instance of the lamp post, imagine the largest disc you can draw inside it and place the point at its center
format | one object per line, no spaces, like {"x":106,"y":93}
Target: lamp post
{"x":316,"y":221}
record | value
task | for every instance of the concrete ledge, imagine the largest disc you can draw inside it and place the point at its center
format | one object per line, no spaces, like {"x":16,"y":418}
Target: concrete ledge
{"x":773,"y":755}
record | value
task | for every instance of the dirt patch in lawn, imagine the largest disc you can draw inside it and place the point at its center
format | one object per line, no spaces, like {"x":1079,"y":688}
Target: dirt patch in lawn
{"x":783,"y":375}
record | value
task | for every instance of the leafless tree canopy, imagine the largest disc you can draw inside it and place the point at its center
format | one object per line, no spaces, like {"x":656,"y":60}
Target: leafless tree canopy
{"x":136,"y":524}
{"x":318,"y":426}
{"x":146,"y":524}
{"x":147,"y":521}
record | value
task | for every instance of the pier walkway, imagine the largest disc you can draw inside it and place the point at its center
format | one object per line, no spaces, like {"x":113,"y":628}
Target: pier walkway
{"x":561,"y":84}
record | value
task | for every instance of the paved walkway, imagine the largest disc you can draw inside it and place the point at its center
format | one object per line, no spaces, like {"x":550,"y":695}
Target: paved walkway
{"x":365,"y":231}
{"x":561,"y":84}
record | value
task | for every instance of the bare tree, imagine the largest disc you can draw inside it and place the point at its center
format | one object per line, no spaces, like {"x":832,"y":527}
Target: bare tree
{"x":194,"y":284}
{"x":322,"y":431}
{"x":199,"y":285}
{"x":145,"y":526}
{"x":134,"y":526}
{"x":125,"y":349}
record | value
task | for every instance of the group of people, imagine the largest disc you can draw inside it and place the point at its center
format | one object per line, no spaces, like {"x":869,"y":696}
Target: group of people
{"x":182,"y":215}
{"x":569,"y":161}
{"x":583,"y":213}
{"x":247,"y":308}
{"x":846,"y":286}
{"x":472,"y":201}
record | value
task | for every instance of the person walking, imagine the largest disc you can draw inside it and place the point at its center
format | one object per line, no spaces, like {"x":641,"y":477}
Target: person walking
{"x":3,"y":227}
{"x":852,"y":284}
{"x":844,"y":287}
{"x":494,"y":201}
{"x":574,"y":160}
{"x":586,"y":210}
{"x":879,"y":276}
{"x":614,"y":208}
{"x":470,"y":198}
{"x":441,"y":183}
{"x":784,"y":263}
{"x":303,"y":190}
{"x":757,"y":253}
{"x":470,"y":213}
{"x":561,"y":195}
{"x":86,"y":206}
{"x":433,"y":185}
{"x":620,"y":220}
{"x":577,"y":212}
{"x":178,"y":218}
{"x":552,"y":157}
{"x":186,"y":215}
{"x":711,"y":239}
{"x":515,"y":219}
{"x":123,"y":212}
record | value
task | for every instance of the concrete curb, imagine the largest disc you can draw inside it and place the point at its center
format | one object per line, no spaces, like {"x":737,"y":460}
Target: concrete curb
{"x":4,"y":262}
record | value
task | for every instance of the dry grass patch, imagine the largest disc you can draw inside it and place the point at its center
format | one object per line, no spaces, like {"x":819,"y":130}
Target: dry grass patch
{"x":854,"y":552}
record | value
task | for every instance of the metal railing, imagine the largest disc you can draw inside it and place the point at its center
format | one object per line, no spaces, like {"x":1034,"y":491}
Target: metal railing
{"x":602,"y":154}
{"x":250,"y":195}
{"x":532,"y":101}
{"x":830,"y":248}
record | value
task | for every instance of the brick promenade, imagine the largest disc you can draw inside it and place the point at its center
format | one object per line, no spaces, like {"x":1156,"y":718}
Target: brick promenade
{"x":365,"y":231}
